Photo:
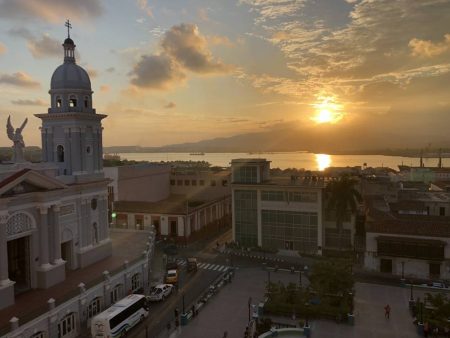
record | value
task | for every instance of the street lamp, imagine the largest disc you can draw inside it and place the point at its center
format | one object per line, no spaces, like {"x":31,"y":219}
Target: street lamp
{"x":249,"y":307}
{"x":300,"y":278}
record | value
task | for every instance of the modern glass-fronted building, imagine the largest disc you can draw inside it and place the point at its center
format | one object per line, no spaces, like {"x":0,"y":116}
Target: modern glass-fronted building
{"x":283,"y":213}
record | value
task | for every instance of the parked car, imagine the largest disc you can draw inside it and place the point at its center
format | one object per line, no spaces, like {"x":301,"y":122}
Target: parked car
{"x":160,"y":292}
{"x":191,"y":264}
{"x":172,"y":277}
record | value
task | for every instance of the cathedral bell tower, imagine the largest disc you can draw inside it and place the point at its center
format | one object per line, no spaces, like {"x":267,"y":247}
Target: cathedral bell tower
{"x":72,"y":130}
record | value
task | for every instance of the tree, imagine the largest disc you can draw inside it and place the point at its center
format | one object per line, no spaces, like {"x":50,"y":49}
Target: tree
{"x":342,"y":198}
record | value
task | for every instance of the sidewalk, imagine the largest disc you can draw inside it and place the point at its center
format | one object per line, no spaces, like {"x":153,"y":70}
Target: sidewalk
{"x":228,"y":311}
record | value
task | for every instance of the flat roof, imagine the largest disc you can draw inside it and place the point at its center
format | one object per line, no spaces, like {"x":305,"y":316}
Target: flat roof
{"x":250,"y":160}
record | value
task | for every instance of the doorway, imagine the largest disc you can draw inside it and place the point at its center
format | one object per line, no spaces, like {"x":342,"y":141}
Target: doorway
{"x":19,"y":264}
{"x":173,"y":227}
{"x":66,"y":254}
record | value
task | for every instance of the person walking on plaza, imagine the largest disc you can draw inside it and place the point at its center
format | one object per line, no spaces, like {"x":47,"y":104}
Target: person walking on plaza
{"x":387,"y":311}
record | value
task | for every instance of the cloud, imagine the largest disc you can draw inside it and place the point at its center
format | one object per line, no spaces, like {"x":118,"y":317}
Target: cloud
{"x":182,"y":49}
{"x":25,"y":102}
{"x":44,"y":47}
{"x":375,"y":43}
{"x":50,"y":10}
{"x":156,"y":72}
{"x":170,"y":105}
{"x":111,"y":69}
{"x":428,"y":48}
{"x":220,"y":40}
{"x":143,"y":5}
{"x":105,"y":88}
{"x":19,"y":79}
{"x":203,"y":14}
{"x":40,"y":47}
{"x":2,"y":48}
{"x":188,"y":47}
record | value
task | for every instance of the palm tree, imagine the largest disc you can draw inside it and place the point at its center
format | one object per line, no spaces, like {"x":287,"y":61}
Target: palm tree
{"x":342,"y":197}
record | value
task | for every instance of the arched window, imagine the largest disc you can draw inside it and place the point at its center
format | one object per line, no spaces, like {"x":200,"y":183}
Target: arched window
{"x":136,"y":282}
{"x":94,"y":307}
{"x":58,"y":102}
{"x":67,"y":326}
{"x":86,"y":102}
{"x":40,"y":334}
{"x":116,"y":293}
{"x":60,"y":153}
{"x":72,"y":101}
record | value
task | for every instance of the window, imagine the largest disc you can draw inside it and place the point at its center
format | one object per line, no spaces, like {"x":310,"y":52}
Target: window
{"x":224,"y":183}
{"x":305,"y":197}
{"x":194,"y":182}
{"x":275,"y":196}
{"x":442,"y":211}
{"x":126,"y":313}
{"x":386,"y":265}
{"x":116,"y":293}
{"x":67,"y":326}
{"x":88,"y":149}
{"x":58,"y":102}
{"x":94,"y":204}
{"x":246,"y":217}
{"x":213,"y":183}
{"x":60,"y":153}
{"x":86,"y":102}
{"x":435,"y":270}
{"x":245,"y":174}
{"x":202,"y":182}
{"x":40,"y":334}
{"x":172,"y":182}
{"x":94,"y":307}
{"x":179,"y":182}
{"x":72,"y":101}
{"x":136,"y":282}
{"x":187,"y":182}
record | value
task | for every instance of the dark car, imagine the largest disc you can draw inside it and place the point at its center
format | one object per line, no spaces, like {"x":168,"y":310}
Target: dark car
{"x":191,"y":264}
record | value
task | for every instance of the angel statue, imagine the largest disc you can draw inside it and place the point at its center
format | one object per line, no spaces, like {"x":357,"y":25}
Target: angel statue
{"x":17,"y":138}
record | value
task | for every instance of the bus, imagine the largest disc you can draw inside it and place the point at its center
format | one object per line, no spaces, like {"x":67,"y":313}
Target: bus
{"x":120,"y":317}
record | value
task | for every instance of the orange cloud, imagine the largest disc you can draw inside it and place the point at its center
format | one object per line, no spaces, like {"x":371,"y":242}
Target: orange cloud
{"x":428,"y":48}
{"x":105,"y":88}
{"x":2,"y":48}
{"x":19,"y":79}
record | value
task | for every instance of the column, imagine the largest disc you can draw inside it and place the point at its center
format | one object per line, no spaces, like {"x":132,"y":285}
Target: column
{"x":43,"y":238}
{"x":50,"y":148}
{"x":100,"y":148}
{"x":57,"y":235}
{"x":75,"y":144}
{"x":44,"y":143}
{"x":94,"y":150}
{"x":83,"y":146}
{"x":258,"y":218}
{"x":4,"y":276}
{"x":67,"y":152}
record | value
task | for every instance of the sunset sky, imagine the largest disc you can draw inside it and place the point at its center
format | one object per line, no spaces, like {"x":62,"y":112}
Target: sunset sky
{"x":173,"y":71}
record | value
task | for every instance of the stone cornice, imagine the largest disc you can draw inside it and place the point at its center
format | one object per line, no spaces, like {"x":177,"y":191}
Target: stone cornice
{"x":65,"y":116}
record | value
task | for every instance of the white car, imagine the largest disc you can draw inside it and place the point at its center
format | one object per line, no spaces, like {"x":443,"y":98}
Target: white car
{"x":160,"y":292}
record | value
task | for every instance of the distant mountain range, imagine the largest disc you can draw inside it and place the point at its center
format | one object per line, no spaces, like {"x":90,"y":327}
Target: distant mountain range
{"x":327,"y":139}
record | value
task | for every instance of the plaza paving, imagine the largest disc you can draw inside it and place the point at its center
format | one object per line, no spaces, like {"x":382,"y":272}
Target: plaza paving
{"x":228,"y":311}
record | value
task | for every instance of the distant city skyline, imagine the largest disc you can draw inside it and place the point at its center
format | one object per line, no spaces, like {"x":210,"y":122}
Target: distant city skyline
{"x":175,"y":72}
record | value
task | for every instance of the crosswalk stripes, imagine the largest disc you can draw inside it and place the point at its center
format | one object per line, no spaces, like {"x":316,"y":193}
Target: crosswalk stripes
{"x":213,"y":267}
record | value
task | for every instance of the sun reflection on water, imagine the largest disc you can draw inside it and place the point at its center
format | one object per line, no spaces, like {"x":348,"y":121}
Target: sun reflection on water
{"x":323,"y":161}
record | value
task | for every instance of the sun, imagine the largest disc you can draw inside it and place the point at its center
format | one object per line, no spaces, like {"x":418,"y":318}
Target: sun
{"x":327,"y":111}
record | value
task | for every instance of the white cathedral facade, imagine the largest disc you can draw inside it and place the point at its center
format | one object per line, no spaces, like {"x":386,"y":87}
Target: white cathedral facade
{"x":53,"y":215}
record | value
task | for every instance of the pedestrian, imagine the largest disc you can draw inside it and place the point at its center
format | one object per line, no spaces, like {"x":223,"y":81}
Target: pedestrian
{"x":168,"y":326}
{"x":387,"y":311}
{"x":426,"y":329}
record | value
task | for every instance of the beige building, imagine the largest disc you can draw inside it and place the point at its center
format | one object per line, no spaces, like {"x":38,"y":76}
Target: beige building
{"x":182,"y":205}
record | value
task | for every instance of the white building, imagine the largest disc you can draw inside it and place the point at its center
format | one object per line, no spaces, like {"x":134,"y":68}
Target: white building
{"x":53,"y":215}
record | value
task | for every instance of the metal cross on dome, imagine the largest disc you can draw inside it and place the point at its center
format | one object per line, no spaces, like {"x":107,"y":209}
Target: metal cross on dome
{"x":69,"y":27}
